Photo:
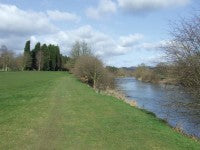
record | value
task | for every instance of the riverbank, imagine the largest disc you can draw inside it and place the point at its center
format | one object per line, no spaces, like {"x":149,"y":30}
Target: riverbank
{"x":53,"y":110}
{"x":165,"y":81}
{"x":170,"y":103}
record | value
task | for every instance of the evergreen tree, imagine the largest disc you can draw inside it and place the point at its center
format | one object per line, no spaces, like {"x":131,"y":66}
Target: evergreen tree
{"x":34,"y":55}
{"x":46,"y":56}
{"x":55,"y":58}
{"x":52,"y":62}
{"x":27,"y":56}
{"x":58,"y":59}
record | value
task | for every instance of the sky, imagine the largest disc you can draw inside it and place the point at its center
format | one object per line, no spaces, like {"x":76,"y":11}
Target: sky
{"x":122,"y":33}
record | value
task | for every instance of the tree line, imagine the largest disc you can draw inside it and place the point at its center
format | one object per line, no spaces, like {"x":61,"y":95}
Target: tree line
{"x":41,"y":58}
{"x":81,"y":62}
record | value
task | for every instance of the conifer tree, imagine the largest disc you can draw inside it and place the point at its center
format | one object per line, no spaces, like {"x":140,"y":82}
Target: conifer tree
{"x":27,"y":56}
{"x":34,"y":56}
{"x":46,"y":56}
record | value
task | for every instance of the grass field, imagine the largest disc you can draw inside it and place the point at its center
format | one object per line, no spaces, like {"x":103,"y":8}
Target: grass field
{"x":52,"y":110}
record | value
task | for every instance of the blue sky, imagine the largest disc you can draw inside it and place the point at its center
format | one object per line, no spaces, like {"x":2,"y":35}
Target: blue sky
{"x":120,"y":32}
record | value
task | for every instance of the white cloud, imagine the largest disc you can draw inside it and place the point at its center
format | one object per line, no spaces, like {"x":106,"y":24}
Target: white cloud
{"x":62,"y":16}
{"x":128,"y":41}
{"x":152,"y":45}
{"x":102,"y":44}
{"x":17,"y":25}
{"x":105,"y":7}
{"x":16,"y":21}
{"x":149,"y":5}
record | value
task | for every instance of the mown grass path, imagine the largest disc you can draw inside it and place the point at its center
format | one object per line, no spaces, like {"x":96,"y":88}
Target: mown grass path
{"x":52,"y":110}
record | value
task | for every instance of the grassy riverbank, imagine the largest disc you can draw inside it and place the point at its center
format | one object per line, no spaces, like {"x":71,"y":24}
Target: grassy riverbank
{"x":52,"y":110}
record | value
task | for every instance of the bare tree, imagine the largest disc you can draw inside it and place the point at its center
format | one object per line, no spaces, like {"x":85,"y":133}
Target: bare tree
{"x":40,"y":60}
{"x":27,"y":61}
{"x":6,"y":58}
{"x":90,"y":69}
{"x":80,"y":49}
{"x":19,"y":62}
{"x":183,"y":51}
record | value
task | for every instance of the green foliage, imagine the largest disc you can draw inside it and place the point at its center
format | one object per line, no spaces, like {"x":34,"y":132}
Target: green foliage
{"x":64,"y":62}
{"x":34,"y":56}
{"x":46,"y":55}
{"x":47,"y":58}
{"x":42,"y":57}
{"x":27,"y":56}
{"x":27,"y":47}
{"x":52,"y":110}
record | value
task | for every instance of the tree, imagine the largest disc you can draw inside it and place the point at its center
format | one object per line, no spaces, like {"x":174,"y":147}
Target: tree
{"x":39,"y":60}
{"x":76,"y":50}
{"x":34,"y":55}
{"x":52,"y":61}
{"x":55,"y":57}
{"x":58,"y":59}
{"x":90,"y":70}
{"x":85,"y":49}
{"x":6,"y":58}
{"x":27,"y":56}
{"x":183,"y":52}
{"x":46,"y":57}
{"x":64,"y":62}
{"x":19,"y":63}
{"x":80,"y":49}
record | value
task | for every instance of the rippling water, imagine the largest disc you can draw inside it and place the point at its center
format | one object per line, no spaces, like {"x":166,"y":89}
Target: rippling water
{"x":167,"y":102}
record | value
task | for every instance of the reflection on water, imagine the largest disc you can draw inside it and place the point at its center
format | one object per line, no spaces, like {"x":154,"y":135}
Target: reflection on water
{"x":167,"y":102}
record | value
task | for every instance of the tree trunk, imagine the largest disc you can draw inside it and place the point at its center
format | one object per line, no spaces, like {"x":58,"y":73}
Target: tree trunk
{"x":39,"y":67}
{"x":6,"y":68}
{"x":94,"y":84}
{"x":94,"y":81}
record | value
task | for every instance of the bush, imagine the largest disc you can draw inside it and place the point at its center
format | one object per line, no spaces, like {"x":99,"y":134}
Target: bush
{"x":90,"y":70}
{"x":146,"y":74}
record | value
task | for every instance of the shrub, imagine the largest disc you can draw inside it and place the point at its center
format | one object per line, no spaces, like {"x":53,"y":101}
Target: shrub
{"x":90,"y":69}
{"x":146,"y":74}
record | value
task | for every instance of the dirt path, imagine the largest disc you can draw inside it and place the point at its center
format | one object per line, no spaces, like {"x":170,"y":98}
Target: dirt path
{"x":52,"y":131}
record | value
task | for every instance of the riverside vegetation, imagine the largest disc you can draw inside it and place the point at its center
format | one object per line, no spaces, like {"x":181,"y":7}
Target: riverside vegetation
{"x":182,"y":64}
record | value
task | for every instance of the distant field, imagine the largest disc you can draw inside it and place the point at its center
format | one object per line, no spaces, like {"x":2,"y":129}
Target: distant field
{"x":52,"y":110}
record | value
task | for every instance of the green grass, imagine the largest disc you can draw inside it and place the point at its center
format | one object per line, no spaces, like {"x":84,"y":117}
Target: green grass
{"x":52,"y":110}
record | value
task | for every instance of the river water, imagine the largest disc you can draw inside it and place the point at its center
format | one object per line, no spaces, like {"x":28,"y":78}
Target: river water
{"x":167,"y":102}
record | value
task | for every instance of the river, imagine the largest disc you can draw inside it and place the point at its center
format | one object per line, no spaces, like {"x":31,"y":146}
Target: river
{"x":167,"y":102}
